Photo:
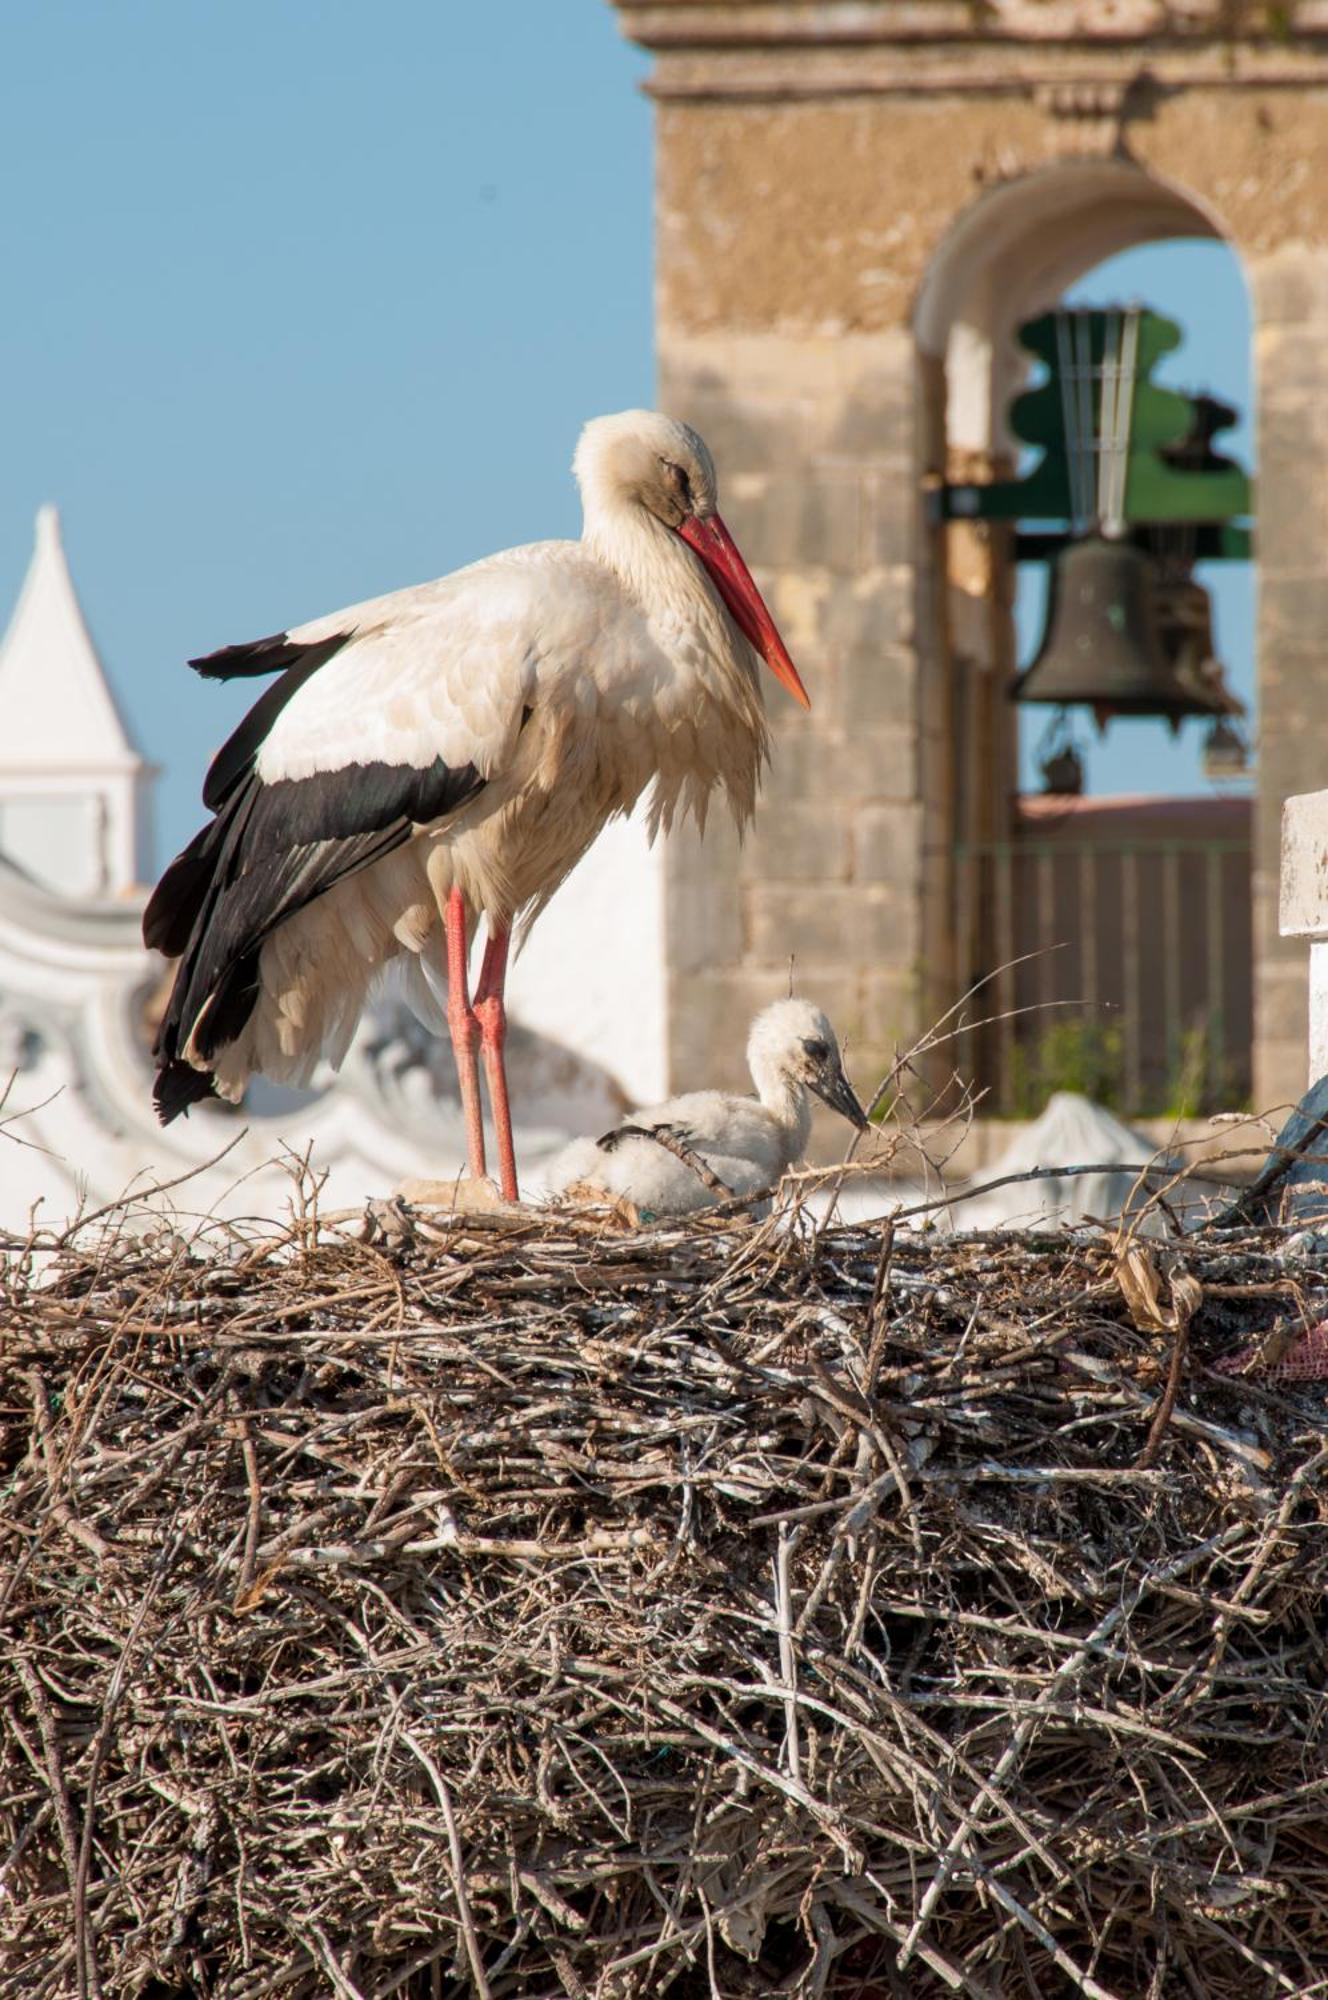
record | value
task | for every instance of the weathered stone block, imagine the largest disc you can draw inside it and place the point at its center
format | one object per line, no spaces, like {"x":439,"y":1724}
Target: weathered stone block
{"x":879,"y":763}
{"x":811,"y":520}
{"x":709,"y":1018}
{"x":837,"y":927}
{"x":876,"y":608}
{"x":832,"y":765}
{"x":804,"y":763}
{"x":1281,"y":1003}
{"x":840,"y":395}
{"x":702,"y":911}
{"x":1291,"y":760}
{"x":1291,"y":362}
{"x":1293,"y":495}
{"x":887,"y":1007}
{"x":887,"y":843}
{"x":878,"y":689}
{"x":710,"y":1015}
{"x":819,"y":514}
{"x":1293,"y":614}
{"x":797,"y":599}
{"x":1279,"y":1075}
{"x":877,"y":677}
{"x":1303,"y":907}
{"x":877,"y":419}
{"x":892,"y":526}
{"x":1290,"y":286}
{"x":798,"y":843}
{"x":745,"y":434}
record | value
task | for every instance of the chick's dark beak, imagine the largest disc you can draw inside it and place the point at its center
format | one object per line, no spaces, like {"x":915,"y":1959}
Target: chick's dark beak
{"x":833,"y":1088}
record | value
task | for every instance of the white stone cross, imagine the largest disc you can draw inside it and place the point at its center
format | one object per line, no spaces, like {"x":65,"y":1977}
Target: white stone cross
{"x":1303,"y":910}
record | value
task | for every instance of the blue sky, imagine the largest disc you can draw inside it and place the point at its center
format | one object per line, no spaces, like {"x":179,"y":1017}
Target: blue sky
{"x":304,"y":303}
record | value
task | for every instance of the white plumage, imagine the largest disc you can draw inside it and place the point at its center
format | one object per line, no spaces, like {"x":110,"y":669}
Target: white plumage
{"x":746,"y":1143}
{"x":450,"y":752}
{"x":531,"y":668}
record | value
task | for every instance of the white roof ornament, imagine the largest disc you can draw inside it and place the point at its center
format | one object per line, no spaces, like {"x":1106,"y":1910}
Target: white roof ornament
{"x":73,"y":788}
{"x":60,"y":715}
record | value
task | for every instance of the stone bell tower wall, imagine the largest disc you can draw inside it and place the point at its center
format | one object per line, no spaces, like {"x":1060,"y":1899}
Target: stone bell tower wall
{"x":856,"y":204}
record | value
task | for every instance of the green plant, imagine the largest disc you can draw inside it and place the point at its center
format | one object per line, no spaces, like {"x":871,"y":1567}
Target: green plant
{"x":1202,"y":1077}
{"x":1187,"y":1084}
{"x":1280,"y":21}
{"x":1074,"y":1053}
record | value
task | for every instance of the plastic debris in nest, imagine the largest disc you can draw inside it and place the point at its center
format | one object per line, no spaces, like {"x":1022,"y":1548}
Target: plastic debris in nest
{"x":1287,"y":1354}
{"x":1292,"y":1184}
{"x":1071,"y":1132}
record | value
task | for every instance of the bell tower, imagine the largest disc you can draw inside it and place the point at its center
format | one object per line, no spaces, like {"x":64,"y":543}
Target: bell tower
{"x":857,"y":207}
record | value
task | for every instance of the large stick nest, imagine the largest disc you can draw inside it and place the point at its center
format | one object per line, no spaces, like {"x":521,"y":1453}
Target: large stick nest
{"x":543,"y":1611}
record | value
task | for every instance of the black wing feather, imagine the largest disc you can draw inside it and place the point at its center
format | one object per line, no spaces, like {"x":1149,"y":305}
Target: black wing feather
{"x":278,"y":848}
{"x":177,"y":899}
{"x":270,"y":851}
{"x":257,"y":656}
{"x":267,"y":855}
{"x":237,"y":753}
{"x":222,"y":986}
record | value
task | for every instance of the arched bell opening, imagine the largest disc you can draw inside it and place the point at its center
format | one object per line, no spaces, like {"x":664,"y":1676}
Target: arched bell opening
{"x":1198,"y":284}
{"x":1132,"y":918}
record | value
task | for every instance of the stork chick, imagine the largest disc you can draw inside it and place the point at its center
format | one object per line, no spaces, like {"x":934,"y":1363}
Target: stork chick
{"x":666,"y":1158}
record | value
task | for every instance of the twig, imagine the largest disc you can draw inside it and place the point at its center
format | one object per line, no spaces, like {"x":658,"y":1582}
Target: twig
{"x":788,"y":1663}
{"x":1167,"y":1403}
{"x":1068,"y":1671}
{"x":664,"y":1136}
{"x":468,"y":1931}
{"x":85,"y":1955}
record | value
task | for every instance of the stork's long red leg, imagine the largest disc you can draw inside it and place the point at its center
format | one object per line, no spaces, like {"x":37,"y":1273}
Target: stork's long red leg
{"x":464,"y":1029}
{"x":492,"y":1016}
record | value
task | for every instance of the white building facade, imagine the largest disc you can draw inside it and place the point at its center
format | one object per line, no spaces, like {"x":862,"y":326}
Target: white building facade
{"x":79,"y":994}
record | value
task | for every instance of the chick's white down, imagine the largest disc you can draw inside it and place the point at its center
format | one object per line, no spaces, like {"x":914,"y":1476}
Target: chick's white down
{"x":747,"y":1143}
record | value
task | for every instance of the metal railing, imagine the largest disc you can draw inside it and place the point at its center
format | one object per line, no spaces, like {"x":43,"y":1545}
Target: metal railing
{"x":1121,"y":964}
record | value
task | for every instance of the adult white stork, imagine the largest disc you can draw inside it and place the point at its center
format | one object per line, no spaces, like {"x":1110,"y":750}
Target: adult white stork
{"x":450,"y":752}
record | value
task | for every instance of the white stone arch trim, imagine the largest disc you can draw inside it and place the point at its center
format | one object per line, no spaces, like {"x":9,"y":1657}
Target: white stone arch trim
{"x":1015,"y":251}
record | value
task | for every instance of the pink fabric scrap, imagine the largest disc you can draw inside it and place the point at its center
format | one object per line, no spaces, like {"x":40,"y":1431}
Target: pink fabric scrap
{"x":1306,"y":1360}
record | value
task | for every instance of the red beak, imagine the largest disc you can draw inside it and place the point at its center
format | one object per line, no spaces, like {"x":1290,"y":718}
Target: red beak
{"x":733,"y":580}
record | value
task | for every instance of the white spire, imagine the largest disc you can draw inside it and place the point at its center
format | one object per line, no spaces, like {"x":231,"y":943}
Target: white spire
{"x":73,"y":789}
{"x":59,"y":712}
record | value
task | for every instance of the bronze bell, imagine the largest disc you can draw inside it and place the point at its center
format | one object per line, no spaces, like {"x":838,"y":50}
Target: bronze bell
{"x":1185,"y":619}
{"x":1105,"y":645}
{"x":1225,"y":752}
{"x":1063,"y":773}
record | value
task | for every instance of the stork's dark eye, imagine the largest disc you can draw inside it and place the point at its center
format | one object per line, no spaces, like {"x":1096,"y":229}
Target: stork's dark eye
{"x":816,"y":1050}
{"x":678,"y":483}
